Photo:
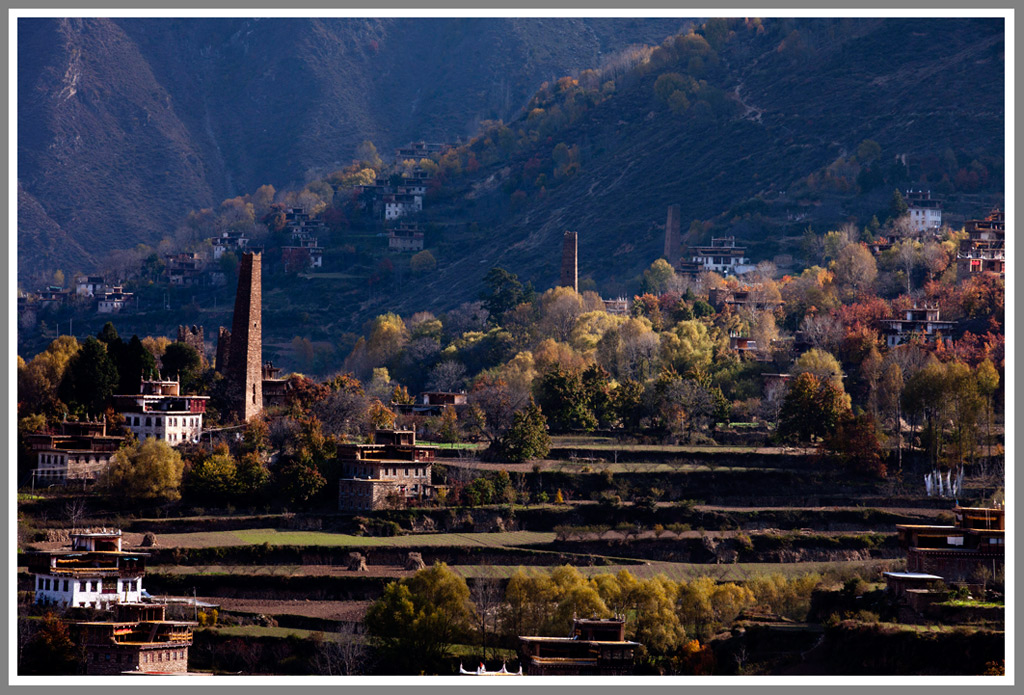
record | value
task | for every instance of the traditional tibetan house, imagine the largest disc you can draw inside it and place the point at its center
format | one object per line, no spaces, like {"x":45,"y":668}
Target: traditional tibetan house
{"x":139,"y":640}
{"x":78,"y":453}
{"x":597,"y":647}
{"x":920,"y":321}
{"x":93,"y":573}
{"x":955,"y":553}
{"x":391,"y":472}
{"x":983,"y":252}
{"x":159,"y":410}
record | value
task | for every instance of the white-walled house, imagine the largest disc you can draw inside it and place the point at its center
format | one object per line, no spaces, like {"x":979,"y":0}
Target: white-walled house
{"x":93,"y":573}
{"x":160,"y":411}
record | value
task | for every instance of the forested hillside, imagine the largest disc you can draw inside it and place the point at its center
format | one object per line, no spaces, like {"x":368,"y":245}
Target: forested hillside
{"x":125,"y":125}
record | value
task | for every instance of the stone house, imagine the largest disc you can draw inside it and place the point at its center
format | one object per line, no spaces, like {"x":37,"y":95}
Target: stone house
{"x":79,"y":452}
{"x":390,"y":472}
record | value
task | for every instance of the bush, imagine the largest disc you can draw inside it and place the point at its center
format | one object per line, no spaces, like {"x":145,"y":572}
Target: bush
{"x":149,"y":540}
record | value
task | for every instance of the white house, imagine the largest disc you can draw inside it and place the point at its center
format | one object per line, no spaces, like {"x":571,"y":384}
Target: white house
{"x":160,"y":411}
{"x":94,"y":573}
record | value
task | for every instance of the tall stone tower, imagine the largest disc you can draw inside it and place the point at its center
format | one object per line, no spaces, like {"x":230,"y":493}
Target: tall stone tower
{"x":245,"y":352}
{"x":672,"y":239}
{"x":569,"y":265}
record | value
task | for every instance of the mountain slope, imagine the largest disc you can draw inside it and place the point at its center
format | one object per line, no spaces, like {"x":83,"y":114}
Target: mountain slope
{"x":920,"y":88}
{"x":126,"y":125}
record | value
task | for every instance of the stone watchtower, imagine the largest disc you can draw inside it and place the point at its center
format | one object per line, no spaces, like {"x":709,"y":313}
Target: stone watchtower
{"x":672,"y":235}
{"x":193,"y":336}
{"x":245,"y":352}
{"x":569,"y":263}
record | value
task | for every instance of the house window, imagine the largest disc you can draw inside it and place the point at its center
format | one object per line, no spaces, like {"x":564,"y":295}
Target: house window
{"x":149,"y":422}
{"x":65,"y":585}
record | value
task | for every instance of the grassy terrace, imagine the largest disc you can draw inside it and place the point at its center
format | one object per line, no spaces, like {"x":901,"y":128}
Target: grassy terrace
{"x":675,"y":571}
{"x":271,"y":536}
{"x":611,"y":444}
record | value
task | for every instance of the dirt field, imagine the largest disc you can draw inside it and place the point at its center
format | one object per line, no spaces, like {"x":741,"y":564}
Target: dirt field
{"x":348,"y":611}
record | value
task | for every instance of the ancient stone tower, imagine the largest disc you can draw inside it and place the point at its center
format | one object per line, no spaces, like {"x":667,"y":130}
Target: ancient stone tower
{"x":223,"y":350}
{"x":672,"y":235}
{"x":193,"y":337}
{"x":245,"y":352}
{"x":569,"y":266}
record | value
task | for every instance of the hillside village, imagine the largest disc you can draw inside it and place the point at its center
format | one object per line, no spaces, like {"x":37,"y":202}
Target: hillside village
{"x":753,"y":457}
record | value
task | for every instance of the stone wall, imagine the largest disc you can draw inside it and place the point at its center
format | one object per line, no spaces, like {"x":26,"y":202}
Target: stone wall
{"x":193,"y":336}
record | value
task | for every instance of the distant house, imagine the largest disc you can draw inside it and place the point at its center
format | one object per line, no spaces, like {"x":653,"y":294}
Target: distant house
{"x":983,"y":252}
{"x":595,"y":648}
{"x":420,"y":150}
{"x":746,"y":297}
{"x":431,"y":403}
{"x":616,"y":307}
{"x":184,"y":270}
{"x":79,"y":452}
{"x":723,"y":256}
{"x":299,"y":258}
{"x":400,"y":204}
{"x":113,"y":300}
{"x":159,"y":410}
{"x":275,"y":389}
{"x":917,"y":321}
{"x":54,"y":296}
{"x":406,"y":236}
{"x":233,"y":241}
{"x":925,"y":212}
{"x":746,"y":347}
{"x":392,"y":471}
{"x":90,"y":285}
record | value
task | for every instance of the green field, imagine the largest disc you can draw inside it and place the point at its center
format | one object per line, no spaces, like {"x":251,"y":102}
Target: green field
{"x":675,"y":571}
{"x":685,"y":571}
{"x":260,"y":536}
{"x":261,"y":631}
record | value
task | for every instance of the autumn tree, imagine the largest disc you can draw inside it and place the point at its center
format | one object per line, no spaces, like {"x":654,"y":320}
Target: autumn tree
{"x":559,"y":309}
{"x":988,"y":385}
{"x":812,"y":408}
{"x":448,"y":431}
{"x":856,"y":269}
{"x":422,"y":263}
{"x":418,"y":619}
{"x":854,"y":445}
{"x":447,"y":376}
{"x":49,"y":650}
{"x":890,"y":396}
{"x":214,"y":479}
{"x":141,"y":472}
{"x":40,"y":378}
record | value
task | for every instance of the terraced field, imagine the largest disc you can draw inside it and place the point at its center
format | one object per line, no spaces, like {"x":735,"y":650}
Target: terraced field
{"x":322,"y":538}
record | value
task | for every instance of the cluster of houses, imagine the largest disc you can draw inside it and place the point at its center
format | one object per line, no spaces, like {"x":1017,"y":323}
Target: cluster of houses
{"x":95,"y":573}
